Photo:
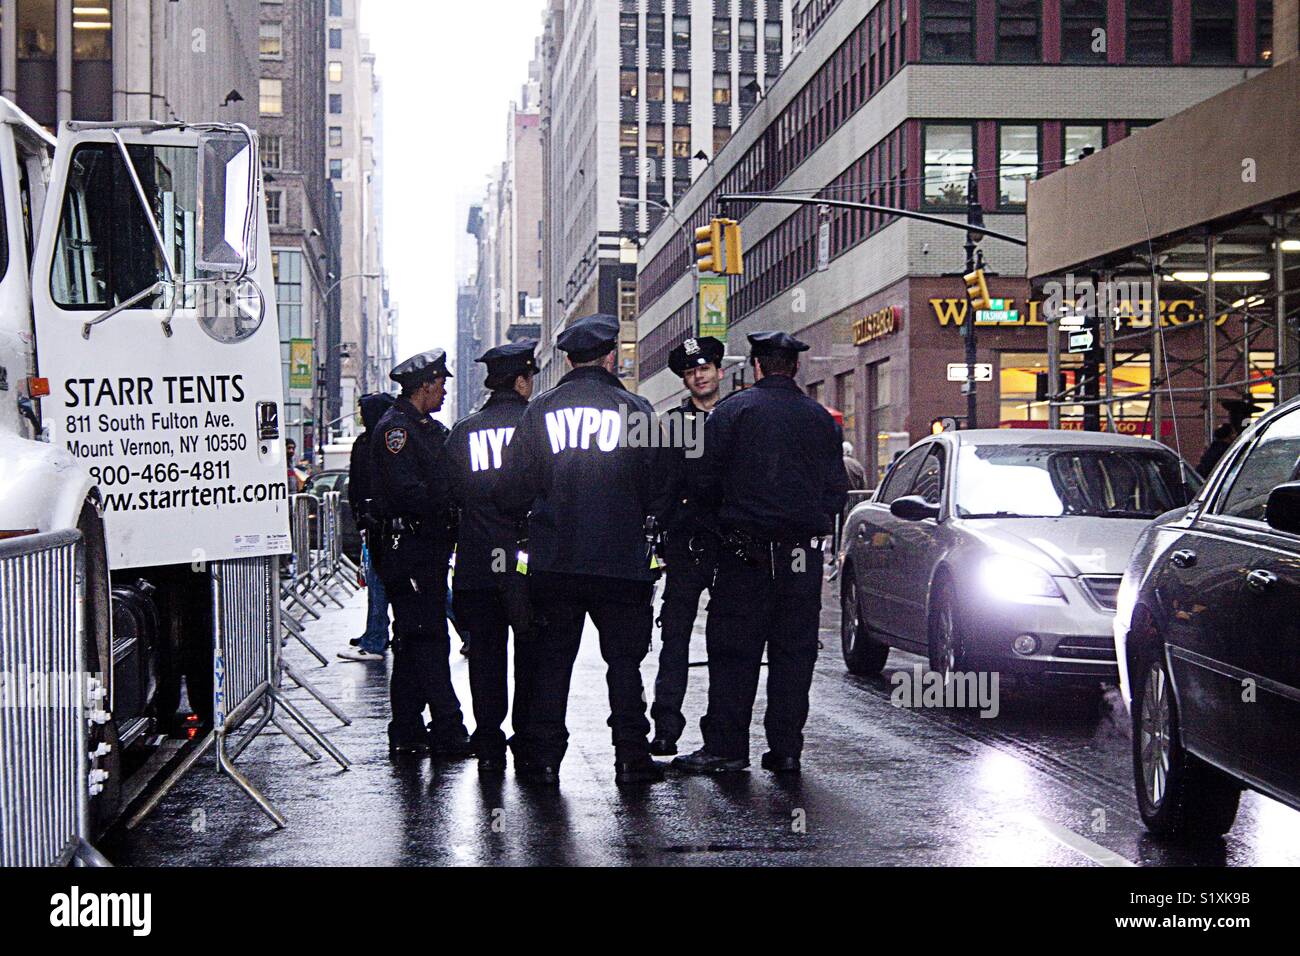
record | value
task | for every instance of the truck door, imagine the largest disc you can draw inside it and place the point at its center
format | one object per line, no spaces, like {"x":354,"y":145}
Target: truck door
{"x":159,"y":337}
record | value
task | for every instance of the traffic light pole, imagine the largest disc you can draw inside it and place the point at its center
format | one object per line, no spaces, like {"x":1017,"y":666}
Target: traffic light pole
{"x":974,"y":217}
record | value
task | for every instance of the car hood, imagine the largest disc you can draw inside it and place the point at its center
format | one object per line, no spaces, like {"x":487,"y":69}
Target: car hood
{"x":1066,"y":545}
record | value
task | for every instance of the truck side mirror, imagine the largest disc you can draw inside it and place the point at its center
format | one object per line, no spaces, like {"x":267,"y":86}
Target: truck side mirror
{"x":228,"y":184}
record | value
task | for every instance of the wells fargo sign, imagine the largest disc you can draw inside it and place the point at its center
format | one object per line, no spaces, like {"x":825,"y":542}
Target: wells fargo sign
{"x":1133,"y":315}
{"x":877,"y":325}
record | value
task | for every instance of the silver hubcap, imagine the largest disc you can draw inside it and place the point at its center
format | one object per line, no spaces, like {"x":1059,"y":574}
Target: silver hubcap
{"x":1155,"y":742}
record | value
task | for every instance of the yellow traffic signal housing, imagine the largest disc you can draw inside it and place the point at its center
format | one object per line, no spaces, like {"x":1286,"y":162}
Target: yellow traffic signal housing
{"x":734,"y":264}
{"x":977,"y":291}
{"x":708,"y":247}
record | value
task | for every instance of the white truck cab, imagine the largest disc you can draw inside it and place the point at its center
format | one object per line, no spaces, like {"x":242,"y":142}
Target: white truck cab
{"x":140,"y":389}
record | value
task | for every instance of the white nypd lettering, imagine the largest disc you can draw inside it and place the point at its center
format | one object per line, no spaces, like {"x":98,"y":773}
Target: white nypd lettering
{"x":576,"y":427}
{"x":485,"y":448}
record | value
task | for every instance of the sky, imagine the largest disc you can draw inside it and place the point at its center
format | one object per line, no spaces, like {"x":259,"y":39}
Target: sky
{"x":448,"y":78}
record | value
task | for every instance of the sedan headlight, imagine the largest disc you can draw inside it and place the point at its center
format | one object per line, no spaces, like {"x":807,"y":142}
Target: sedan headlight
{"x":1015,"y":579}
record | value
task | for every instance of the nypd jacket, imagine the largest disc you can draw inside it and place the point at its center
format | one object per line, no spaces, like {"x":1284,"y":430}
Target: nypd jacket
{"x":587,"y":461}
{"x":773,"y":463}
{"x":685,"y":426}
{"x":473,"y":457}
{"x":405,"y":454}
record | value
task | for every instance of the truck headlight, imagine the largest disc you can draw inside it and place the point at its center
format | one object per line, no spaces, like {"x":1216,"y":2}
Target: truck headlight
{"x":1015,"y":579}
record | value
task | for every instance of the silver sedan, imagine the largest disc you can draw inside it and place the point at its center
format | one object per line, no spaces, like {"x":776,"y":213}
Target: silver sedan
{"x":1002,"y":550}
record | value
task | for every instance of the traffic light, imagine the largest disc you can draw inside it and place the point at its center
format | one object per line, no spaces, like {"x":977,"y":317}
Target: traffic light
{"x":734,"y":258}
{"x":708,"y":247}
{"x":977,"y":291}
{"x":718,"y":248}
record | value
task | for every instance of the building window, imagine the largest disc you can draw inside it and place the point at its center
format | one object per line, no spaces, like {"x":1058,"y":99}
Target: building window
{"x":271,"y":97}
{"x":949,"y":159}
{"x":681,"y":33}
{"x":1017,"y":163}
{"x":628,"y":29}
{"x":92,"y":31}
{"x":1214,"y":31}
{"x":681,"y":87}
{"x":748,"y":90}
{"x":274,"y":206}
{"x":654,"y":141}
{"x":682,"y":142}
{"x":628,"y":139}
{"x":722,"y":88}
{"x":336,"y":8}
{"x":270,"y":145}
{"x":336,"y":169}
{"x":747,"y":39}
{"x":336,"y":136}
{"x":338,"y":201}
{"x":1148,"y":31}
{"x":721,"y":135}
{"x":336,"y":71}
{"x":1018,"y":31}
{"x":1264,"y":31}
{"x":271,"y":42}
{"x":627,"y":84}
{"x":654,"y":30}
{"x":1081,"y":138}
{"x":947,"y":30}
{"x":772,"y":38}
{"x":336,"y":103}
{"x":336,"y":38}
{"x":1083,"y":31}
{"x":628,"y":186}
{"x":36,"y":29}
{"x":654,"y":86}
{"x":722,"y":34}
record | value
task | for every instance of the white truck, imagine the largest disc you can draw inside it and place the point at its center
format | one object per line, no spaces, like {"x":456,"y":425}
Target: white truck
{"x":140,"y":390}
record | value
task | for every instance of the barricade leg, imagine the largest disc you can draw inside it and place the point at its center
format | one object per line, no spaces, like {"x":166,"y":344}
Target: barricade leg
{"x":308,"y":726}
{"x":310,"y":688}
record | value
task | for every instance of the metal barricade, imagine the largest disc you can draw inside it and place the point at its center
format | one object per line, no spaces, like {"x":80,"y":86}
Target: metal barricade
{"x":246,"y":665}
{"x":44,"y":703}
{"x":332,"y":544}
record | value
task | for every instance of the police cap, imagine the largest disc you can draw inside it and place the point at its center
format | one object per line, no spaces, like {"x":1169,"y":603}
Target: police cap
{"x":509,"y":360}
{"x":589,"y":337}
{"x":693,"y":353}
{"x":775,"y":343}
{"x":421,"y":368}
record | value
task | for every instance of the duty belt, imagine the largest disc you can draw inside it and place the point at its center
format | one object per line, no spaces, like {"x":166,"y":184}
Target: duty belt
{"x":756,"y":551}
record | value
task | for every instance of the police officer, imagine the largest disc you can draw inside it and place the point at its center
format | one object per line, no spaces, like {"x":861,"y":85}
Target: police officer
{"x":688,"y":548}
{"x":414,"y":550}
{"x":773,"y":474}
{"x":489,"y":592}
{"x":583,"y":459}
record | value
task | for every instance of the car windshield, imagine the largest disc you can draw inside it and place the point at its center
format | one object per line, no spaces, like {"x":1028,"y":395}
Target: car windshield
{"x":1049,"y":481}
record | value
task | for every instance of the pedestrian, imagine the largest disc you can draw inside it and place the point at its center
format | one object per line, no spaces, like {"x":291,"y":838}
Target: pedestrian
{"x":414,"y":550}
{"x":371,"y":645}
{"x":857,"y":475}
{"x":773,"y":477}
{"x":1238,"y":409}
{"x":490,"y":594}
{"x":586,"y":462}
{"x":689,"y":551}
{"x":295,"y":474}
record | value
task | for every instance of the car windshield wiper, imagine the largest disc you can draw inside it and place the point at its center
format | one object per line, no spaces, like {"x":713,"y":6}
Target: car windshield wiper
{"x":1121,"y":513}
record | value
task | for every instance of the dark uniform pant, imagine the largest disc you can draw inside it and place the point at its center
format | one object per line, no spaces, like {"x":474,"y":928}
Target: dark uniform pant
{"x":772,"y":599}
{"x":686,"y":579}
{"x":415,"y":580}
{"x":623,"y":614}
{"x":487,"y":615}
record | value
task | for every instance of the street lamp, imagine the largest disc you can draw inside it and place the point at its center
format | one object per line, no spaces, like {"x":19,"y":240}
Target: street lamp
{"x":690,"y":243}
{"x":322,"y":429}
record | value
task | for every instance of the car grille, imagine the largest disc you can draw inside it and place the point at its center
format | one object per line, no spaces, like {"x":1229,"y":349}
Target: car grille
{"x":1104,"y":588}
{"x":1086,"y":648}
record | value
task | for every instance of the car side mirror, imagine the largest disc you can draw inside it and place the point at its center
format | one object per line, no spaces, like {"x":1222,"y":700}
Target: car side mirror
{"x":913,"y":508}
{"x":1283,"y":509}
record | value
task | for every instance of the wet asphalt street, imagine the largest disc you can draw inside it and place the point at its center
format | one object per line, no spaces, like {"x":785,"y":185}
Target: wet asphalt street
{"x":1043,"y":783}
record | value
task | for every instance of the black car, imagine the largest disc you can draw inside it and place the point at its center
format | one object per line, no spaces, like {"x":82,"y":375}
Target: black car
{"x":337,"y":480}
{"x":1207,"y":636}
